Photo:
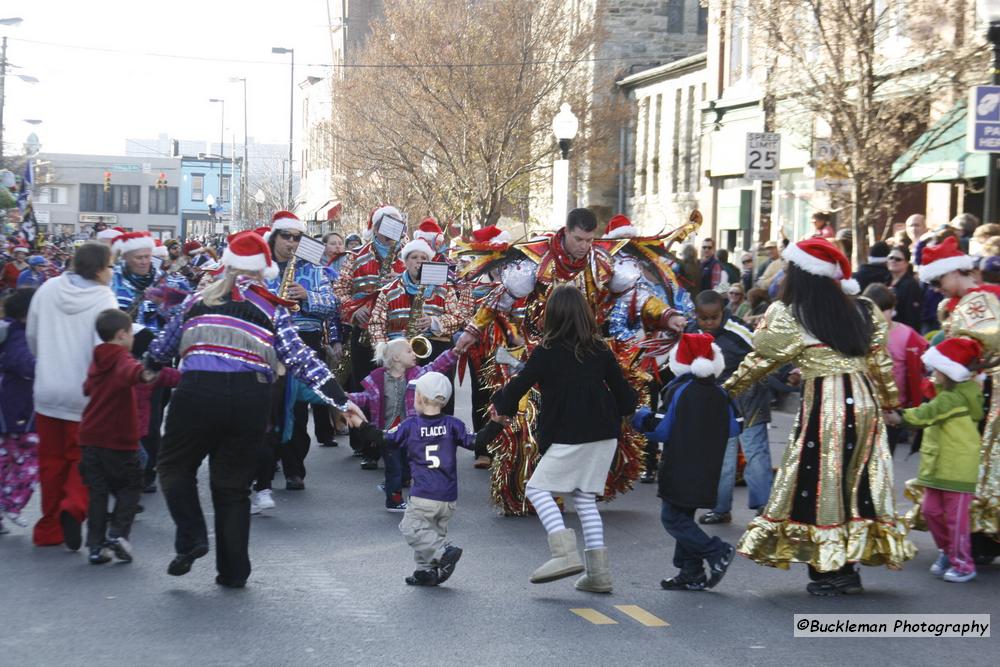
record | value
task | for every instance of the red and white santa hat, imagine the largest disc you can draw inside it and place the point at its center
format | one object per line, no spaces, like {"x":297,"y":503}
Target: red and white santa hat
{"x":383,"y":211}
{"x":287,"y":220}
{"x":945,"y":257}
{"x":160,"y":250}
{"x":953,"y":357}
{"x":110,"y":234}
{"x":132,"y":241}
{"x":491,"y":236}
{"x":248,"y":251}
{"x":417,"y":245}
{"x":821,"y":258}
{"x":620,"y":227}
{"x":696,"y":354}
{"x":430,"y":231}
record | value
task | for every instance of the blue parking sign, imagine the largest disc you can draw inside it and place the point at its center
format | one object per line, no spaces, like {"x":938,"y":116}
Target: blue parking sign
{"x":983,"y":126}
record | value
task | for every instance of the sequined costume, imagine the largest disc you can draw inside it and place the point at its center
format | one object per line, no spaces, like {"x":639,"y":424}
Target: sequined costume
{"x":832,"y":499}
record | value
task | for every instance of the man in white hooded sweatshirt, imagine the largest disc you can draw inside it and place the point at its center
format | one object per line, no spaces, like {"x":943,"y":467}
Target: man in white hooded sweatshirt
{"x":61,"y":334}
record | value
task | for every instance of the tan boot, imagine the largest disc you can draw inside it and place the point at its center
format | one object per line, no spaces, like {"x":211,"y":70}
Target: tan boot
{"x":565,"y":561}
{"x":598,"y":577}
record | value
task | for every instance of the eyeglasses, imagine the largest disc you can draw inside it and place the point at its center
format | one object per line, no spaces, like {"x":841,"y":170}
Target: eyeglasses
{"x":288,"y":236}
{"x":896,"y":259}
{"x":748,"y":261}
{"x":936,"y":283}
{"x":707,"y":247}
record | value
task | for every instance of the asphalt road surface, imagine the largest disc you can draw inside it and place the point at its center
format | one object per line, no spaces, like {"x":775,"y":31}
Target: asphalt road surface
{"x":327,"y":589}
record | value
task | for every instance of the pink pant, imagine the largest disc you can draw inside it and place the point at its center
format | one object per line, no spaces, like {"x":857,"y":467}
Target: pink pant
{"x":947,"y":515}
{"x":18,"y":470}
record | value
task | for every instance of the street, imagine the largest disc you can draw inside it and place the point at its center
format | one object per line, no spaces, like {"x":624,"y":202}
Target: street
{"x":327,"y":589}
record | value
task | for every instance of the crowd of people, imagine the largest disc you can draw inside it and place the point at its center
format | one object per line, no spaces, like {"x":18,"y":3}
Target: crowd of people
{"x":127,"y":362}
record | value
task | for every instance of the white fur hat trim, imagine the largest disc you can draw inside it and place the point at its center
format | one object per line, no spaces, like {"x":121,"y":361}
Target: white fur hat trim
{"x":936,"y":361}
{"x":700,"y":367}
{"x":934,"y":270}
{"x":417,"y":245}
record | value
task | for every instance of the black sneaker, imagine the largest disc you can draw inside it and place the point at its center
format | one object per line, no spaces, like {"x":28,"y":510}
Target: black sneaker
{"x":99,"y":555}
{"x":423,"y":578}
{"x":181,"y":564}
{"x":717,"y":569}
{"x":328,"y":443}
{"x":395,"y":503}
{"x":230,"y":583}
{"x":369,"y":464}
{"x":447,"y":562}
{"x":648,"y":477}
{"x":72,"y":535}
{"x":356,"y":453}
{"x":684,"y":582}
{"x":149,"y":488}
{"x":715,"y":517}
{"x":294,"y":483}
{"x":121,"y":549}
{"x":836,"y":584}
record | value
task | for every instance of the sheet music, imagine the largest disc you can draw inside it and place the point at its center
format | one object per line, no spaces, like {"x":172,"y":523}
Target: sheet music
{"x":391,"y":228}
{"x":433,"y":273}
{"x":310,"y":250}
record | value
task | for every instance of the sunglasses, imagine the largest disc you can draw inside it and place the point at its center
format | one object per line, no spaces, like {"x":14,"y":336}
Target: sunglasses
{"x":748,"y":261}
{"x":895,"y":259}
{"x":288,"y":236}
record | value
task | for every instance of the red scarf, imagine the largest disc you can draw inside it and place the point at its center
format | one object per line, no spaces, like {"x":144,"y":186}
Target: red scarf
{"x":566,"y":267}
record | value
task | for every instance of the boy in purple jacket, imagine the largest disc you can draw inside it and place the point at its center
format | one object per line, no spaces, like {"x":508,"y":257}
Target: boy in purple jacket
{"x":430,"y":439}
{"x":18,"y":439}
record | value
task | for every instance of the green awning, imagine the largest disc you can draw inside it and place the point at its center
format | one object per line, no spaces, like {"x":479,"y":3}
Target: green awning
{"x":947,"y":160}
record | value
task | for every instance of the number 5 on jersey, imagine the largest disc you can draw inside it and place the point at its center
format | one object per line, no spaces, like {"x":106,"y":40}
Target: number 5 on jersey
{"x":433,"y":461}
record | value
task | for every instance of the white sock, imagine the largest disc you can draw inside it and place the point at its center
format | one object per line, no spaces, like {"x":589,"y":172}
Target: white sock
{"x":545,"y":506}
{"x":590,"y":519}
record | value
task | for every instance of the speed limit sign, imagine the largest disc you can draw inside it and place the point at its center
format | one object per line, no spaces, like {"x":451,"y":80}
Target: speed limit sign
{"x":763,"y":156}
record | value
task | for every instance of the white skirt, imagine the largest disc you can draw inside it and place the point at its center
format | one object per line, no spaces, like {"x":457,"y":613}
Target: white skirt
{"x":584,"y":466}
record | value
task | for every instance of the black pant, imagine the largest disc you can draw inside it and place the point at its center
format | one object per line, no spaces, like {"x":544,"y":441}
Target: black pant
{"x":107,"y":472}
{"x":294,"y":452}
{"x":361,"y":367}
{"x":222,"y":416}
{"x":693,"y":545}
{"x":269,"y":449}
{"x":151,"y":440}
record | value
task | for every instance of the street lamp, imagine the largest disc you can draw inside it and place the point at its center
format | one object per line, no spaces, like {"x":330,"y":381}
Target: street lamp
{"x":222,"y":138}
{"x":989,"y":10}
{"x":259,"y":197}
{"x":243,"y":171}
{"x":291,"y":113}
{"x":564,"y":127}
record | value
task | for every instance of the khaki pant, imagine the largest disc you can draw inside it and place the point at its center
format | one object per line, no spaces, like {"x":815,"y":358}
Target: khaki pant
{"x":425,"y":526}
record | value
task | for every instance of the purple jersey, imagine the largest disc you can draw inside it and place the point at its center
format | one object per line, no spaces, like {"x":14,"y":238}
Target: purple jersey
{"x":430,"y":443}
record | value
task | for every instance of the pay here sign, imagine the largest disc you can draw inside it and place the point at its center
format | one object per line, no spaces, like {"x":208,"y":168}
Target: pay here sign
{"x":983,"y":127}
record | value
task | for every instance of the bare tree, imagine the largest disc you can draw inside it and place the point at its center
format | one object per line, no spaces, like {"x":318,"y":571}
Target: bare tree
{"x":870,"y":71}
{"x":450,"y":109}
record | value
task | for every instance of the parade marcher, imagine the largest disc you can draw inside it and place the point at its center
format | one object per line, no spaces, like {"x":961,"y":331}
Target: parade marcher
{"x":584,"y":396}
{"x":699,"y":419}
{"x":231,"y":338}
{"x":336,"y":252}
{"x":839,"y":441}
{"x":353,"y":243}
{"x":361,"y":277}
{"x":12,"y":270}
{"x":61,"y":336}
{"x":18,"y":434}
{"x":949,"y":454}
{"x":135,"y":276}
{"x":428,"y":440}
{"x":972,"y":311}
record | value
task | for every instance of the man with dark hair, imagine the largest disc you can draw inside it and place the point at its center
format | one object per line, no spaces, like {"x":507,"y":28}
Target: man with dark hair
{"x":732,"y":273}
{"x":876,"y":269}
{"x":711,"y":269}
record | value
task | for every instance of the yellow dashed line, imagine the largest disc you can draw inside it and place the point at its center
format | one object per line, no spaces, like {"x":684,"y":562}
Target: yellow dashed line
{"x":641,"y":615}
{"x":594,"y":616}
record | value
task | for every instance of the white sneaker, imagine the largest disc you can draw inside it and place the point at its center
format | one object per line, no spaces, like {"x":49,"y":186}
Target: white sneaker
{"x":265,"y":499}
{"x":953,"y":576}
{"x":254,"y":507}
{"x":17,"y":519}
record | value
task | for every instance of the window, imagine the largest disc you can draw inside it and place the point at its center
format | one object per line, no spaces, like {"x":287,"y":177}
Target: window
{"x":643,"y":143}
{"x":163,"y":201}
{"x":675,"y":16}
{"x":702,"y":20}
{"x":690,"y":148}
{"x":226,"y":180}
{"x":675,"y":166}
{"x":121,"y":198}
{"x":49,"y":195}
{"x":197,"y":187}
{"x":739,"y":42}
{"x":655,"y":130}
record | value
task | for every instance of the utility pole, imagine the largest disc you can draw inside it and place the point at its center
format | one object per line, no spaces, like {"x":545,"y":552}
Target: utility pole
{"x":3,"y":79}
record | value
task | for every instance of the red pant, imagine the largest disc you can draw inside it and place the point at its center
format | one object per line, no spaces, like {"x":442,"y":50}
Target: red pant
{"x":59,"y":474}
{"x":947,"y":516}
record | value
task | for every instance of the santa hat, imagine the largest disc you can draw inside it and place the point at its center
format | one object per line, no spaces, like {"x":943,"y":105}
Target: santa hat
{"x":953,"y":357}
{"x":247,"y":251}
{"x":262,"y":232}
{"x":160,"y":250}
{"x":821,"y":258}
{"x":192,"y":247}
{"x":416,"y":245}
{"x":131,"y":241}
{"x":287,"y":220}
{"x":492,"y":236}
{"x":620,"y":227}
{"x":110,"y":234}
{"x":381,"y":212}
{"x":945,"y":257}
{"x":430,"y":231}
{"x":696,"y":354}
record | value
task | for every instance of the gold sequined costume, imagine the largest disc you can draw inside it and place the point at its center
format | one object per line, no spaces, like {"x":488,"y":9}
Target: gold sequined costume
{"x":832,"y":499}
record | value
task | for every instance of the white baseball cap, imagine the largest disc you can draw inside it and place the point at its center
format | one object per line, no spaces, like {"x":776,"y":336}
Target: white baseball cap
{"x":434,"y":386}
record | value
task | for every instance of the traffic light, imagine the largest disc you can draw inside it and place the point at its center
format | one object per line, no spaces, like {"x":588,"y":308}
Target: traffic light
{"x":107,"y":181}
{"x":161,"y":182}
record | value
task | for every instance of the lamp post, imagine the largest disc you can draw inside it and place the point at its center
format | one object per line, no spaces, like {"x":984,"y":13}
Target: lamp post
{"x":989,"y":10}
{"x":259,"y":197}
{"x":243,"y":171}
{"x":291,"y":113}
{"x":222,"y":138}
{"x":16,"y":20}
{"x":564,"y":127}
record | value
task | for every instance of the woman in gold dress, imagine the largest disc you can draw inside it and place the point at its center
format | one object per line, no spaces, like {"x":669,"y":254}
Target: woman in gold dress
{"x":831,"y":505}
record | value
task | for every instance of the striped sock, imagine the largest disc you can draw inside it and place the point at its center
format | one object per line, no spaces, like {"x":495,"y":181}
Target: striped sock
{"x":545,"y":506}
{"x":590,"y":519}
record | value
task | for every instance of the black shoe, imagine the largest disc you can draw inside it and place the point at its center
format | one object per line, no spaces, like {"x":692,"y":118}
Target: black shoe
{"x":99,"y":555}
{"x":423,"y":578}
{"x":395,"y":503}
{"x":369,"y":464}
{"x":149,"y":488}
{"x":294,"y":483}
{"x":685,"y":582}
{"x":717,"y":569}
{"x":447,"y":562}
{"x":72,"y":535}
{"x":181,"y":564}
{"x":356,"y":453}
{"x":836,"y":584}
{"x":139,"y":509}
{"x":230,"y":583}
{"x":328,"y":443}
{"x":715,"y":517}
{"x":648,"y":477}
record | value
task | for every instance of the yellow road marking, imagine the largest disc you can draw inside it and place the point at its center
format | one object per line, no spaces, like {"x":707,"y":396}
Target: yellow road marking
{"x":641,"y":615}
{"x":594,"y":616}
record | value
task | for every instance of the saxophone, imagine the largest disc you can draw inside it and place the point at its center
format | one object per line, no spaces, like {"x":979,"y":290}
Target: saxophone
{"x":287,"y":278}
{"x":383,"y":273}
{"x":420,"y":344}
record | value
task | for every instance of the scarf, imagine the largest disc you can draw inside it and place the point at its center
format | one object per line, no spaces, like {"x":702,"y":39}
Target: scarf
{"x":566,"y":266}
{"x":381,"y":249}
{"x":138,"y":283}
{"x":412,"y":287}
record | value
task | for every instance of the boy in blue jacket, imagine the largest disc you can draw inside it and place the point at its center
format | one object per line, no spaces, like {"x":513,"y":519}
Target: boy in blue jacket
{"x":698,"y":421}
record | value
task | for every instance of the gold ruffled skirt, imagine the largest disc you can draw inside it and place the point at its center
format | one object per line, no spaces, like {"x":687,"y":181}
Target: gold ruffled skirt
{"x":832,"y":499}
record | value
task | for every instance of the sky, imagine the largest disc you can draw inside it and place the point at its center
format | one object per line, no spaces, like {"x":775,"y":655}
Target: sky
{"x":99,"y":82}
